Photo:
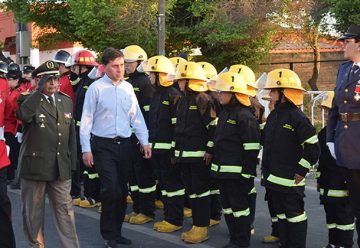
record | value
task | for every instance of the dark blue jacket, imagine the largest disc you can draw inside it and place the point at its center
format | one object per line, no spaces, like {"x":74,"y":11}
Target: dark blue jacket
{"x":346,"y":136}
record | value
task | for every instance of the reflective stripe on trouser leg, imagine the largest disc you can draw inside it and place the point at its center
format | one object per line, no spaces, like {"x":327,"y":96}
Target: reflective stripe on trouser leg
{"x":236,"y":209}
{"x":147,"y":186}
{"x":91,"y":184}
{"x":196,"y":177}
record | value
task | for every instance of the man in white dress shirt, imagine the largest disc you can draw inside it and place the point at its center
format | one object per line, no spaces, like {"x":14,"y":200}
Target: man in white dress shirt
{"x":111,"y":111}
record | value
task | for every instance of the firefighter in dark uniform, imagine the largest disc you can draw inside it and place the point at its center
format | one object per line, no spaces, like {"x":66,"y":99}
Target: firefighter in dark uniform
{"x":11,"y":122}
{"x":236,"y":147}
{"x":62,"y":57}
{"x":290,"y":148}
{"x":258,"y":110}
{"x":161,"y":134}
{"x":82,"y":62}
{"x":196,"y":121}
{"x":7,"y":238}
{"x":142,"y":179}
{"x":215,"y":212}
{"x":343,"y":130}
{"x":333,"y":191}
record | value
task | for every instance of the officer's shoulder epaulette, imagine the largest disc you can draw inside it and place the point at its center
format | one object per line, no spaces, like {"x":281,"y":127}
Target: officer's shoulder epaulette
{"x":62,"y":93}
{"x":25,"y":93}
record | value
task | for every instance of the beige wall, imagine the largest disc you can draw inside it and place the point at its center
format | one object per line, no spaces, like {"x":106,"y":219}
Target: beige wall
{"x":328,"y":70}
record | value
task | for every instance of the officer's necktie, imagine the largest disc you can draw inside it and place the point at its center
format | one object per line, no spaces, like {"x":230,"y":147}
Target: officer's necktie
{"x":354,"y":73}
{"x":51,"y":100}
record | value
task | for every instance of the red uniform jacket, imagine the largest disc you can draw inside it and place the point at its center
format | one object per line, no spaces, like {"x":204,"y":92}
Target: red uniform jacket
{"x":66,"y":87}
{"x":4,"y":92}
{"x":10,"y":120}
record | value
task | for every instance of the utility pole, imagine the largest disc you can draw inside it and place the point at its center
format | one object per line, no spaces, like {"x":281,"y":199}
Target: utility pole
{"x":22,"y":44}
{"x":161,"y":28}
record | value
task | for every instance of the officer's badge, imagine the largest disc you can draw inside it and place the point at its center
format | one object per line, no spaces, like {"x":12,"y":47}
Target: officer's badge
{"x":42,"y":116}
{"x":42,"y":125}
{"x":357,"y":91}
{"x":67,"y":115}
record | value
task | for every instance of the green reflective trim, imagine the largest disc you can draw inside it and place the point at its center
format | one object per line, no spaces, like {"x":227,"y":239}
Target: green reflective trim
{"x":193,"y":196}
{"x":164,"y":146}
{"x":165,"y":102}
{"x":75,"y":82}
{"x":238,"y":214}
{"x":85,"y":87}
{"x":163,"y":192}
{"x":233,"y":122}
{"x":173,"y":144}
{"x":288,"y":126}
{"x":317,"y":174}
{"x":134,"y":188}
{"x":227,"y":210}
{"x":298,"y":218}
{"x":304,"y":163}
{"x":251,"y":146}
{"x":78,"y":123}
{"x":334,"y":192}
{"x":274,"y":219}
{"x":284,"y":181}
{"x":173,"y":120}
{"x":210,"y":144}
{"x":190,"y":154}
{"x":193,"y":107}
{"x":346,"y":227}
{"x":246,"y":175}
{"x":331,"y":226}
{"x":136,"y":89}
{"x":252,"y":191}
{"x":146,"y":108}
{"x":262,"y":126}
{"x":226,"y":168}
{"x":91,"y":176}
{"x":148,"y":190}
{"x":215,"y":192}
{"x":312,"y":140}
{"x":176,"y":193}
{"x":281,"y":216}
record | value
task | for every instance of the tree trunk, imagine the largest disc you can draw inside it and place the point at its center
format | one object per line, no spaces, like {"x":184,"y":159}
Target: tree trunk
{"x":316,"y":69}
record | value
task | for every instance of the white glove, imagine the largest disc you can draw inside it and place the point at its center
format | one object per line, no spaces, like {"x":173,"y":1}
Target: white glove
{"x":331,"y":147}
{"x":8,"y":150}
{"x":19,"y":137}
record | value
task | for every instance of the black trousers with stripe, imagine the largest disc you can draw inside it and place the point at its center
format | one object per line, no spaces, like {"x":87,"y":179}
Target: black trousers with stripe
{"x":142,"y":177}
{"x":290,"y":205}
{"x":171,"y":184}
{"x":339,"y":215}
{"x":113,"y":163}
{"x":236,"y":207}
{"x":274,"y":218}
{"x":196,"y":177}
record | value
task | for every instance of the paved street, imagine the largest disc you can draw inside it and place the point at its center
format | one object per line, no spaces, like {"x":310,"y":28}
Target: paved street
{"x":87,"y":221}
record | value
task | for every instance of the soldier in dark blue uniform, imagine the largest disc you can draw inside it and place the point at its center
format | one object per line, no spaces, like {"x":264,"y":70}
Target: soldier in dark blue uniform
{"x":343,"y":132}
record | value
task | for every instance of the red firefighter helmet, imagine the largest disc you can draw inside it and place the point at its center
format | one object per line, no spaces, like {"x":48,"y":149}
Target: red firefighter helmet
{"x":83,"y":57}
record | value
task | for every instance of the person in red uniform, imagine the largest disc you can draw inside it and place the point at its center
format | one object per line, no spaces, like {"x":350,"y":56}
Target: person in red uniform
{"x":61,"y":57}
{"x":7,"y":238}
{"x":26,"y":78}
{"x":11,"y":122}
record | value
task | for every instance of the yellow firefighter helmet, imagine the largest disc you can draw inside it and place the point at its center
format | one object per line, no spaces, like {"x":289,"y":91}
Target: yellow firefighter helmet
{"x":176,"y":61}
{"x":210,"y":70}
{"x":248,"y":75}
{"x":163,"y":66}
{"x":134,"y":53}
{"x":195,"y":74}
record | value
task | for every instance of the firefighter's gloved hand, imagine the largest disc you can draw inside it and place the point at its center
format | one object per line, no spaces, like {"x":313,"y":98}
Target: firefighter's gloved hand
{"x":331,"y":147}
{"x":19,"y":137}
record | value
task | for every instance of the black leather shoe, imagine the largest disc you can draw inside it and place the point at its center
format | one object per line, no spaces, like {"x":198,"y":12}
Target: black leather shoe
{"x":110,"y":243}
{"x":123,"y":241}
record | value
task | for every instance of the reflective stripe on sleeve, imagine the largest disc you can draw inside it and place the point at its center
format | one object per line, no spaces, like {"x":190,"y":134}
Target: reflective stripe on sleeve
{"x":346,"y":227}
{"x":298,"y":218}
{"x":134,"y":188}
{"x":179,"y":192}
{"x":173,"y":120}
{"x":210,"y":144}
{"x":193,"y":196}
{"x":91,"y":176}
{"x":312,"y":140}
{"x":146,"y":108}
{"x":215,"y":192}
{"x":148,"y":190}
{"x":164,"y":146}
{"x":190,"y":154}
{"x":251,"y":146}
{"x":238,"y":214}
{"x":304,"y":163}
{"x":334,"y":192}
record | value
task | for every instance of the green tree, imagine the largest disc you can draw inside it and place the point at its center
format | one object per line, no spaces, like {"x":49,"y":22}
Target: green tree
{"x":96,"y":24}
{"x":227,"y":31}
{"x":346,"y":12}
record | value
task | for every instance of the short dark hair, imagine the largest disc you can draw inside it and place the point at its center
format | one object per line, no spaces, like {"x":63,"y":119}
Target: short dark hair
{"x":110,"y":54}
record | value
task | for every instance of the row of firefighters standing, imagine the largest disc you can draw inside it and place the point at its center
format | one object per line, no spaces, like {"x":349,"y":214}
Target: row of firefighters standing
{"x":205,"y":149}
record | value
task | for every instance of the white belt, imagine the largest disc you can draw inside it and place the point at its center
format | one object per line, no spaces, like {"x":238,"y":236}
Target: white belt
{"x":2,"y":133}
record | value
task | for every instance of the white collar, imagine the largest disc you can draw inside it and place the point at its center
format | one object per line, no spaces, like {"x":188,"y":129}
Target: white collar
{"x":357,"y":63}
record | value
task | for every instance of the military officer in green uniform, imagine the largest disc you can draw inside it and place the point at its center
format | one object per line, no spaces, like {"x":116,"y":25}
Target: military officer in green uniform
{"x":47,"y":157}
